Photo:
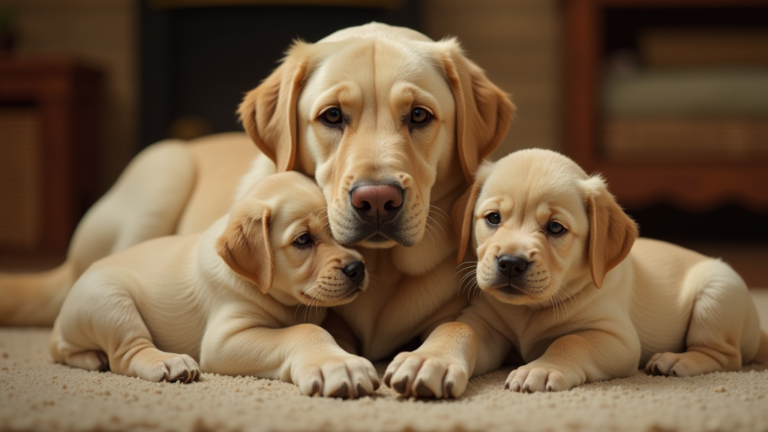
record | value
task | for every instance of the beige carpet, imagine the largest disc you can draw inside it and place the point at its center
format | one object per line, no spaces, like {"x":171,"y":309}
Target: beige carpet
{"x":36,"y":394}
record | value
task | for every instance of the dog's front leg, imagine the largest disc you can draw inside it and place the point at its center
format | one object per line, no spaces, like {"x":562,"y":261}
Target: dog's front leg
{"x":442,"y":365}
{"x":571,"y":360}
{"x":304,"y":354}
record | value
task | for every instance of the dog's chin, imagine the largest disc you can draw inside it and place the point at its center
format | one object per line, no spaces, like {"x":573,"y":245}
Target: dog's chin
{"x":378,"y":241}
{"x":509,"y":293}
{"x":322,"y":299}
{"x":366,"y":235}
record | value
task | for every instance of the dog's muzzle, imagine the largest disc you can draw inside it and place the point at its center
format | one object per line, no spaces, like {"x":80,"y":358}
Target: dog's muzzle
{"x":509,"y":274}
{"x":355,"y":272}
{"x":379,"y":214}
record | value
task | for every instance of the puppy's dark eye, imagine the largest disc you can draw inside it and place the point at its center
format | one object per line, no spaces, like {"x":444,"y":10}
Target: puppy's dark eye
{"x":303,"y":241}
{"x":493,"y":218}
{"x":555,"y":228}
{"x":332,"y":117}
{"x":420,"y":116}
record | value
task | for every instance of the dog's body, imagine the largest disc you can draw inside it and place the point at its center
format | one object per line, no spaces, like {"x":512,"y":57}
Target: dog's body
{"x":565,"y":284}
{"x":386,"y":120}
{"x":238,"y":298}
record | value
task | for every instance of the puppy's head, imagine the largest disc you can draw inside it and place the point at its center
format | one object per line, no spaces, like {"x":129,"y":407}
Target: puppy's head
{"x":278,"y":238}
{"x":541,"y":228}
{"x":379,"y":115}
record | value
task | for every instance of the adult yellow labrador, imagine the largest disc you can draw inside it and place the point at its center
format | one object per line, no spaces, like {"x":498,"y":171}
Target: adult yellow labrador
{"x":245,"y":297}
{"x":389,"y":122}
{"x":565,"y":283}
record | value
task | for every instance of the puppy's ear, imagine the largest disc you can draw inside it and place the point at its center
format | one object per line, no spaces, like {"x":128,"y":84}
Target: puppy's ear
{"x":483,"y":111}
{"x":245,"y":246}
{"x":463,"y":211}
{"x":268,"y":112}
{"x":611,"y":232}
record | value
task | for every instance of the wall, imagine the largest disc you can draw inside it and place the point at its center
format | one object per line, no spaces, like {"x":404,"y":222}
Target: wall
{"x":517,"y":42}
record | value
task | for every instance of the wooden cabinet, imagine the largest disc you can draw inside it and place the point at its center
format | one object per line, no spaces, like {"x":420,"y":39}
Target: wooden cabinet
{"x":687,"y":184}
{"x":49,"y":129}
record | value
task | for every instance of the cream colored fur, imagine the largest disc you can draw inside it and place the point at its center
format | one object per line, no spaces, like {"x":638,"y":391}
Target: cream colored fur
{"x":376,"y":75}
{"x":172,"y":187}
{"x":243,"y":298}
{"x":592,"y":302}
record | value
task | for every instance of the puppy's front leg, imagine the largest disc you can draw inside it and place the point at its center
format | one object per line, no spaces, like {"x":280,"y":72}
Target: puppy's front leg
{"x":453,"y":352}
{"x":304,"y":354}
{"x":571,"y":360}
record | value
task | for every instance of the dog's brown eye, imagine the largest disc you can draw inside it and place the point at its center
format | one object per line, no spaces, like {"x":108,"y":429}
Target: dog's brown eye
{"x":303,"y":240}
{"x":493,"y":218}
{"x":555,"y":228}
{"x":332,"y":116}
{"x":419,"y":115}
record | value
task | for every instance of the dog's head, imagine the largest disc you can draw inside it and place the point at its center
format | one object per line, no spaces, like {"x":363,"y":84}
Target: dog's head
{"x":386,"y":120}
{"x":541,"y":227}
{"x":278,"y":238}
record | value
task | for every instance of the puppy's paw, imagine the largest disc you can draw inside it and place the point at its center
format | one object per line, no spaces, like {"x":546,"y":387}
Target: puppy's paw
{"x":670,"y":364}
{"x":169,"y":367}
{"x":89,"y":360}
{"x":429,"y":375}
{"x":342,"y":376}
{"x":542,"y":377}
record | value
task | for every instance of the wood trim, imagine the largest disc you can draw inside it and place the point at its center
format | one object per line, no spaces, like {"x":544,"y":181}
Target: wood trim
{"x":693,"y":186}
{"x":582,"y":41}
{"x":676,"y":3}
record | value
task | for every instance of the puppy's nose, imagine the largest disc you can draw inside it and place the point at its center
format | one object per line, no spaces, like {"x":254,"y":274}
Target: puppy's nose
{"x":377,"y":203}
{"x":355,"y":272}
{"x":511,"y":266}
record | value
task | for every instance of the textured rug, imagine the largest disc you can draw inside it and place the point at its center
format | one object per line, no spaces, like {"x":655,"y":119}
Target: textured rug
{"x":38,"y":395}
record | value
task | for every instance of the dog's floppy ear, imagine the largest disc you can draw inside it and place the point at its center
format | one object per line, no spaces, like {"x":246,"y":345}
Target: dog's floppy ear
{"x":245,"y":246}
{"x":463,"y":211}
{"x":268,"y":112}
{"x":611,"y":232}
{"x":483,"y":111}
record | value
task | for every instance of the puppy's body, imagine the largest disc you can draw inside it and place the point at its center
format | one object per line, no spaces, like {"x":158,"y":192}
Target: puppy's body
{"x":237,"y":299}
{"x":575,"y":294}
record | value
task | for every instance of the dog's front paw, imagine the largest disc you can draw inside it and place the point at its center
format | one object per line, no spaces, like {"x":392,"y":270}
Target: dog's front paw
{"x":425,"y":374}
{"x":538,"y":378}
{"x":678,"y":364}
{"x":342,"y":376}
{"x":168,"y":367}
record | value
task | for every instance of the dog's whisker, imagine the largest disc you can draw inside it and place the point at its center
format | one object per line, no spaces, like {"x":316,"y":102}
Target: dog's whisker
{"x":426,"y":231}
{"x":463,"y":271}
{"x":440,"y":212}
{"x":438,"y":225}
{"x":470,"y":288}
{"x":465,"y":266}
{"x":470,"y":279}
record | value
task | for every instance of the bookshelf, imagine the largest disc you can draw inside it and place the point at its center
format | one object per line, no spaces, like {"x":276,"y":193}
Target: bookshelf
{"x":688,"y":184}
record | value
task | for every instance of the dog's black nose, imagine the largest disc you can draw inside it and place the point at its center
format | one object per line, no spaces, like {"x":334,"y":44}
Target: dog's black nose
{"x":377,"y":203}
{"x":355,"y":272}
{"x":511,"y":266}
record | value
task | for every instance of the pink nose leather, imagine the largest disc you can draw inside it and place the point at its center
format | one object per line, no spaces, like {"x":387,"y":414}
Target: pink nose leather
{"x":377,"y":203}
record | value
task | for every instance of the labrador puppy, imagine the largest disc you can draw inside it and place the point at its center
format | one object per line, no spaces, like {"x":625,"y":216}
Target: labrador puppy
{"x":390,"y":123}
{"x":565,"y":283}
{"x":243,"y":298}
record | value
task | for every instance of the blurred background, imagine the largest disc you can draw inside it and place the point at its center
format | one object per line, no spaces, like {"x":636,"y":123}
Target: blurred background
{"x":667,"y":98}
